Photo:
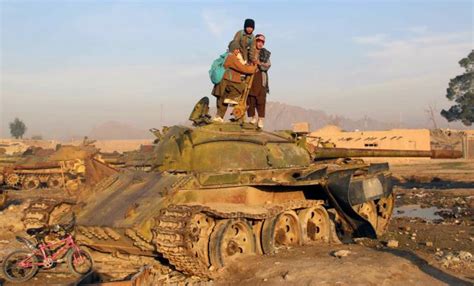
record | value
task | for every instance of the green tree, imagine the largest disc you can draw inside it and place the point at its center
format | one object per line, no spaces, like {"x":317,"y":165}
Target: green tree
{"x":17,"y":128}
{"x":461,"y":90}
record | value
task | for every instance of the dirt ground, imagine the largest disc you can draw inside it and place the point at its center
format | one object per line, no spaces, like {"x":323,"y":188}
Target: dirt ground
{"x":432,"y":229}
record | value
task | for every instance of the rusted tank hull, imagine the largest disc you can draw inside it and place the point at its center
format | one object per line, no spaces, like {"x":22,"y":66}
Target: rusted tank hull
{"x":222,"y":191}
{"x":136,"y":212}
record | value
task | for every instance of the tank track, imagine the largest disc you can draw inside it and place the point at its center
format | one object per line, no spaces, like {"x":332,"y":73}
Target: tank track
{"x":40,"y":213}
{"x":43,"y":178}
{"x":119,"y":266}
{"x":172,"y":239}
{"x":173,"y":233}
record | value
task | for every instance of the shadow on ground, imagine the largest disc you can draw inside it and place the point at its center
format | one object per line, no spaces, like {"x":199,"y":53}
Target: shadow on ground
{"x":424,"y":266}
{"x":434,"y":183}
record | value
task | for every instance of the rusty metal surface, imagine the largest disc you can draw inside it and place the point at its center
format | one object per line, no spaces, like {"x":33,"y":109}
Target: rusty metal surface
{"x":446,"y":154}
{"x":330,"y":153}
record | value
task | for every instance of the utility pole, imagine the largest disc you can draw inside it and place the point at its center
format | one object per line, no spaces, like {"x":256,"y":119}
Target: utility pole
{"x":431,"y":115}
{"x":161,"y":115}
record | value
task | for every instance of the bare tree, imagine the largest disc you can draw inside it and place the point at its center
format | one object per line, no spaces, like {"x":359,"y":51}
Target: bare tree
{"x":431,"y":111}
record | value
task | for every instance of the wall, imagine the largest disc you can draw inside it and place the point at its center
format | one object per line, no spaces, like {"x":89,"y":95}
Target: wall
{"x":395,"y":139}
{"x":469,"y":144}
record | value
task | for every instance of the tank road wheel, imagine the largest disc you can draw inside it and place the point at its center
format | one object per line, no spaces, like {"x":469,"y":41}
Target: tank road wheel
{"x":230,"y":239}
{"x":12,"y":179}
{"x":315,"y":224}
{"x":384,"y":211}
{"x":201,"y":227}
{"x":368,"y":211}
{"x":72,"y":185}
{"x":283,"y":229}
{"x":30,"y":182}
{"x":55,"y":182}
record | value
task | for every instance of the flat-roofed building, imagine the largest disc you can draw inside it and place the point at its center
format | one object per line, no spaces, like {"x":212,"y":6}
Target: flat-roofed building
{"x":395,"y":139}
{"x":468,"y":145}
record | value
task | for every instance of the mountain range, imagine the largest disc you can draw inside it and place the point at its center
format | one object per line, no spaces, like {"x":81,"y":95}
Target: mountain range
{"x":279,"y":116}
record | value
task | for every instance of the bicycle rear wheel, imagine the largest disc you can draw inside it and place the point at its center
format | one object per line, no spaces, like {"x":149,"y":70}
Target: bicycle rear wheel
{"x":14,"y":272}
{"x":79,"y":262}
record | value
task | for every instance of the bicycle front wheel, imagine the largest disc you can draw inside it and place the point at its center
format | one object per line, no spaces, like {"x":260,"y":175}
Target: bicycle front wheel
{"x":19,"y":266}
{"x":79,"y":262}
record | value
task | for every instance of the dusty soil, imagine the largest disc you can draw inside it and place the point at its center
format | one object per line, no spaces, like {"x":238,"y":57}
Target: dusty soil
{"x":315,"y":265}
{"x":433,"y":227}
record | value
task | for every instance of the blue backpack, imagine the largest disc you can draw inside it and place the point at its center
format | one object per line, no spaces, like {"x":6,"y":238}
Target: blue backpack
{"x":217,"y":71}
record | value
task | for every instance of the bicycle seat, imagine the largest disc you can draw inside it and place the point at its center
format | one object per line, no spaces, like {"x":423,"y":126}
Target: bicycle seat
{"x":34,"y":231}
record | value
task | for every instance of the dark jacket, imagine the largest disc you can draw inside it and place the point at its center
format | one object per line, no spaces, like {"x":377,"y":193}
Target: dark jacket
{"x":264,"y":66}
{"x":246,"y":44}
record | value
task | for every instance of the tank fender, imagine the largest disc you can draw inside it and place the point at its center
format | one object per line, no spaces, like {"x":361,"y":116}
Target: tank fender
{"x":317,"y":174}
{"x":369,"y":188}
{"x":337,"y":191}
{"x":378,"y":167}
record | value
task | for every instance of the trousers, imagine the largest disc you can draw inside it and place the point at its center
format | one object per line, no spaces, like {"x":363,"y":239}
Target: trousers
{"x":257,"y":103}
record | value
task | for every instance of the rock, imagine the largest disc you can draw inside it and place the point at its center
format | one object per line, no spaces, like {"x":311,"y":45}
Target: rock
{"x":405,"y":228}
{"x":287,"y":276}
{"x":265,"y":279}
{"x":392,"y":243}
{"x":465,"y":255}
{"x":277,"y":262}
{"x":4,"y":241}
{"x":341,"y":253}
{"x":429,"y":244}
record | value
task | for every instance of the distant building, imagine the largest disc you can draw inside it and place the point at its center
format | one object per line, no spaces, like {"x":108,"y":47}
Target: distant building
{"x":395,"y":139}
{"x":468,"y":146}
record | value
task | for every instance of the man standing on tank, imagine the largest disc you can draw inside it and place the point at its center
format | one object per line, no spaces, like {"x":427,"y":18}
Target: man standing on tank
{"x":257,"y":98}
{"x":232,"y":85}
{"x":246,"y":41}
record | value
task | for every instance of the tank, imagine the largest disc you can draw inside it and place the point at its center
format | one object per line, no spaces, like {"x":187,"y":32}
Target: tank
{"x":37,"y":168}
{"x":135,"y":160}
{"x":220,"y":191}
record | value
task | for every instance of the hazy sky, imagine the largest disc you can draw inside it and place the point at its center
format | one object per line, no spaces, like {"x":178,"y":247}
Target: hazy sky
{"x":67,"y":66}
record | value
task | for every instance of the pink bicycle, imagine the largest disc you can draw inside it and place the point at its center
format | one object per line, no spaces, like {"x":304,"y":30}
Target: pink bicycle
{"x":22,"y":265}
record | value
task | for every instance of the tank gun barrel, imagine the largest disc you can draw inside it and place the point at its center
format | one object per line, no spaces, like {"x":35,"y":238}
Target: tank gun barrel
{"x":332,"y":153}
